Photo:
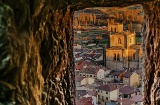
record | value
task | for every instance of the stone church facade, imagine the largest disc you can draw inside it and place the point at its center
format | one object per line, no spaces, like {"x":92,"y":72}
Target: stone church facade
{"x":123,"y":51}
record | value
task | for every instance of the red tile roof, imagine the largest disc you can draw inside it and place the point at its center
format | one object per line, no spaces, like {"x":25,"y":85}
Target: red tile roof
{"x":85,"y":101}
{"x":137,"y":98}
{"x":78,"y":67}
{"x":125,"y":101}
{"x":127,"y":74}
{"x":116,"y":73}
{"x":107,"y":87}
{"x":128,"y":90}
{"x":79,"y":78}
{"x":80,"y":93}
{"x":92,"y":93}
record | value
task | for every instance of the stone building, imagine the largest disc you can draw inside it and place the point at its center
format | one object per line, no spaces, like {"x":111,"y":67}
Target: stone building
{"x":123,"y":51}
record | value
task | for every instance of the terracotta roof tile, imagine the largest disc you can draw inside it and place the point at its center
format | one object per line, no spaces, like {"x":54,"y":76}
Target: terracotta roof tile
{"x":116,"y":73}
{"x":85,"y":101}
{"x":137,"y":98}
{"x":80,"y":93}
{"x":79,"y":78}
{"x":127,"y":74}
{"x":128,"y":90}
{"x":107,"y":87}
{"x":125,"y":101}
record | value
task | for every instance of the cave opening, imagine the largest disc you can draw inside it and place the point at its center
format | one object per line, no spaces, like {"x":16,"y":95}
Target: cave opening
{"x":39,"y":41}
{"x":108,"y":52}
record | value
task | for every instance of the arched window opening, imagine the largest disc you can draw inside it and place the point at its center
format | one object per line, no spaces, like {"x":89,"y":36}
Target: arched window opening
{"x":111,"y":29}
{"x":118,"y":57}
{"x":114,"y":57}
{"x":119,"y":41}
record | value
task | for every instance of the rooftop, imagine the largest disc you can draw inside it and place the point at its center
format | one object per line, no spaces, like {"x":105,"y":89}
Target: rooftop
{"x":128,"y":90}
{"x":107,"y":87}
{"x":125,"y":101}
{"x":137,"y":98}
{"x":79,"y":78}
{"x":85,"y":101}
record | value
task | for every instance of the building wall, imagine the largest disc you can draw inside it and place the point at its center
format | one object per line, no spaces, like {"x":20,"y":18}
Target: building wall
{"x":83,"y":82}
{"x":100,"y":74}
{"x":125,"y":81}
{"x":89,"y":80}
{"x":135,"y":79}
{"x":103,"y":93}
{"x":114,"y":40}
{"x":114,"y":65}
{"x":78,"y":83}
{"x":114,"y":95}
{"x":131,"y":39}
{"x":118,"y":27}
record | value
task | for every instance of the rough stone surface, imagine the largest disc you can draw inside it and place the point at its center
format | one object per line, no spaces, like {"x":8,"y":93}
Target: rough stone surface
{"x":36,"y":58}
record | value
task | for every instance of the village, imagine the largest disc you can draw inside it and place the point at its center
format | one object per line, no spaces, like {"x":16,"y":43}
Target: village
{"x":108,"y":63}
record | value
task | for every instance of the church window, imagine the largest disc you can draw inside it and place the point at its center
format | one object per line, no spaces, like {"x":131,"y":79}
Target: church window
{"x":111,"y":29}
{"x":119,"y":41}
{"x":118,"y":57}
{"x":114,"y":57}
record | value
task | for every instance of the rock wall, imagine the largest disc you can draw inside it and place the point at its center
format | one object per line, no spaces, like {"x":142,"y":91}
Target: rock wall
{"x":36,"y":58}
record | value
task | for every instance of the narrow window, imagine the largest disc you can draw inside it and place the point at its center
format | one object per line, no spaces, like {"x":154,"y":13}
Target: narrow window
{"x":119,"y":41}
{"x":118,"y":57}
{"x":114,"y":57}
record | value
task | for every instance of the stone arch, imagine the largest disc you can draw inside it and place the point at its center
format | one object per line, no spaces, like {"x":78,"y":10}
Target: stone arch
{"x":41,"y":63}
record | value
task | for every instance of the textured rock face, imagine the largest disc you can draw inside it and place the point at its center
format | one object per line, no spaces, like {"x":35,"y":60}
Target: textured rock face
{"x":36,"y":58}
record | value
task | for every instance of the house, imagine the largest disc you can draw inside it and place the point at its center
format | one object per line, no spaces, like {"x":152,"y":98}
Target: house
{"x":98,"y":57}
{"x":92,"y":94}
{"x":83,"y":80}
{"x":85,"y":101}
{"x":128,"y":92}
{"x":94,"y":71}
{"x":131,"y":78}
{"x":125,"y":101}
{"x":117,"y":75}
{"x":137,"y":99}
{"x":107,"y":93}
{"x":80,"y":94}
{"x":80,"y":80}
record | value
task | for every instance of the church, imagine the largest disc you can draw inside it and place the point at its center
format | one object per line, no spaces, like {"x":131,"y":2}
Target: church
{"x":123,"y":51}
